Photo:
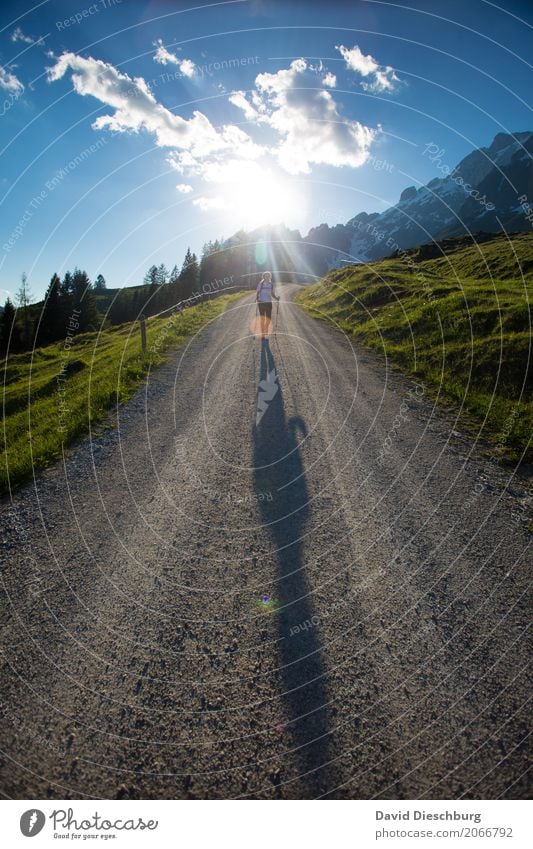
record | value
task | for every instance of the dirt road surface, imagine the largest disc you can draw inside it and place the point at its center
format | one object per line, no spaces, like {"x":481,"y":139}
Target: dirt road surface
{"x":283,"y":574}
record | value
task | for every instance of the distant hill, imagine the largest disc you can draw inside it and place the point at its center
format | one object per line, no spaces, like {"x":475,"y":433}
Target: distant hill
{"x":481,"y":194}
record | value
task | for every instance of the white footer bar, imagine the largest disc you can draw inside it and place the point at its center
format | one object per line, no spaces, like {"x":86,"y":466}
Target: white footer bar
{"x":267,"y":825}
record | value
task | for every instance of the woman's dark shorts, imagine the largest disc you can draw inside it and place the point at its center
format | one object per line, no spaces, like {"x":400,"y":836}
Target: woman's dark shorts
{"x":265,"y":309}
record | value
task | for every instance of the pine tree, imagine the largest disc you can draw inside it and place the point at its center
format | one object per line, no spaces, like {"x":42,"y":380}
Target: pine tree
{"x":162,"y":274}
{"x":24,"y":299}
{"x":24,"y":296}
{"x":99,"y":284}
{"x":84,"y":301}
{"x":66,"y":285}
{"x":174,"y":275}
{"x":206,"y":264}
{"x":9,"y":332}
{"x":151,"y":278}
{"x":51,"y":327}
{"x":189,"y":276}
{"x":66,"y":293}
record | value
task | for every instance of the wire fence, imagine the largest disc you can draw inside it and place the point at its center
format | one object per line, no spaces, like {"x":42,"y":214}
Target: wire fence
{"x":201,"y":296}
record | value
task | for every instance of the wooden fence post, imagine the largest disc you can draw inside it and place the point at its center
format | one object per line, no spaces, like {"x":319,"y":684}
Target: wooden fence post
{"x":142,"y":322}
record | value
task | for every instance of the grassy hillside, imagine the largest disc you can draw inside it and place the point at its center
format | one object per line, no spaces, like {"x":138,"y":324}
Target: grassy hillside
{"x":51,"y":395}
{"x":461,"y":322}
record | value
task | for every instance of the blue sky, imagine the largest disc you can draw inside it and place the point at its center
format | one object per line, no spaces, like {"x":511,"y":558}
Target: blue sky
{"x":130,"y":130}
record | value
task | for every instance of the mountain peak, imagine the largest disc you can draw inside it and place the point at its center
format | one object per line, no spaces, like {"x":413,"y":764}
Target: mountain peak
{"x":408,"y":194}
{"x":503,"y":140}
{"x":478,"y":164}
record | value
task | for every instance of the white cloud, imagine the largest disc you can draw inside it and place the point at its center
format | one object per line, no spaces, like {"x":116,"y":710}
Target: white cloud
{"x":330,"y":80}
{"x":213,"y":167}
{"x":296,"y":105}
{"x":357,"y":61}
{"x":238,"y":99}
{"x":164,"y":57}
{"x":18,"y":35}
{"x":236,"y":144}
{"x":207,"y":203}
{"x":187,"y":68}
{"x":9,"y":82}
{"x":135,"y":109}
{"x":184,"y":188}
{"x":381,"y":77}
{"x":184,"y":163}
{"x":254,"y":111}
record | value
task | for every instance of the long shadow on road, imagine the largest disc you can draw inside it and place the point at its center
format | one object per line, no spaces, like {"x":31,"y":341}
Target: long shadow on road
{"x":278,"y":469}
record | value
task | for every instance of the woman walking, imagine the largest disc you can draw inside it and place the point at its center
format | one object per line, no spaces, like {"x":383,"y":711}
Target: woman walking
{"x":264,"y":294}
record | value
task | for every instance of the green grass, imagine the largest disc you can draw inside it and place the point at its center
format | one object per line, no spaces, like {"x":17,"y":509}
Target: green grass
{"x":460,"y":323}
{"x":98,"y":369}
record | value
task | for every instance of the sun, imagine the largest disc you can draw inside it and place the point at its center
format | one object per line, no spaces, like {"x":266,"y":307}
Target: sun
{"x":249,"y":195}
{"x":262,"y":197}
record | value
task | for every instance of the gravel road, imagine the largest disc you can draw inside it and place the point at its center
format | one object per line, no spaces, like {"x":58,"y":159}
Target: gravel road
{"x":330,"y":601}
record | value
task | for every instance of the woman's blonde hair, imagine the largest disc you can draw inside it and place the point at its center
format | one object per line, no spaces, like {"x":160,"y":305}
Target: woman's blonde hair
{"x":267,"y":275}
